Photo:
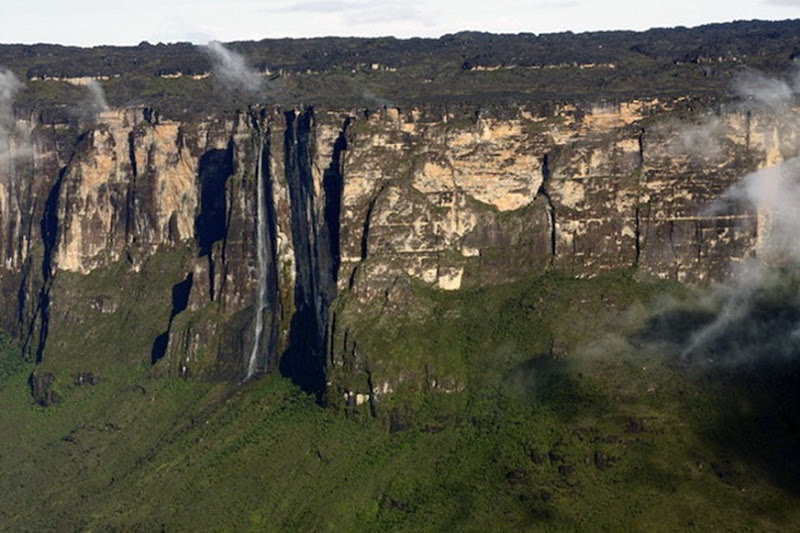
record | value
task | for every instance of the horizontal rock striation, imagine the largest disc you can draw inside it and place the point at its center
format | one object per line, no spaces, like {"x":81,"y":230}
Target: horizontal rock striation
{"x":132,"y":218}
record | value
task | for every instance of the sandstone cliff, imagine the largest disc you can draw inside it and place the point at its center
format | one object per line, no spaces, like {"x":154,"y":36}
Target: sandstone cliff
{"x":247,"y":243}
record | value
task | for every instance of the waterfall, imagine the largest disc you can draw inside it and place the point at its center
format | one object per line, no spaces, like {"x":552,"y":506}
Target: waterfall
{"x":261,"y":254}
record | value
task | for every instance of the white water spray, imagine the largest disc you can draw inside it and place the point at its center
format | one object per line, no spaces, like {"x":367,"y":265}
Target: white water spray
{"x":261,"y":254}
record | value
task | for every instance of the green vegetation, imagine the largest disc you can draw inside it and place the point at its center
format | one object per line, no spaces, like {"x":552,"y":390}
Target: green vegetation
{"x":112,"y":314}
{"x":565,"y":418}
{"x":10,"y":361}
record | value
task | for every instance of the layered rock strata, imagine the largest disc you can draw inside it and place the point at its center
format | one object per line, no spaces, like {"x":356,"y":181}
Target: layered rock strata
{"x":354,"y":204}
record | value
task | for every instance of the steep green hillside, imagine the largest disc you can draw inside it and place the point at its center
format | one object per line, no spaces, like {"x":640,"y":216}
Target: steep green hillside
{"x":566,"y":414}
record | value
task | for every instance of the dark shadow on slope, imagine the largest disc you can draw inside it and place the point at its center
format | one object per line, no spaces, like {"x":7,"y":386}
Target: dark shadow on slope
{"x":548,"y":382}
{"x":159,"y":349}
{"x":673,"y":328}
{"x":744,"y":362}
{"x":180,"y":301}
{"x":180,"y":295}
{"x":757,"y":419}
{"x":761,"y":328}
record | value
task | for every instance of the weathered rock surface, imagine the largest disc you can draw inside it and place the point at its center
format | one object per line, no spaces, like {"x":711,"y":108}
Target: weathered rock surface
{"x":355,"y":203}
{"x":41,"y":385}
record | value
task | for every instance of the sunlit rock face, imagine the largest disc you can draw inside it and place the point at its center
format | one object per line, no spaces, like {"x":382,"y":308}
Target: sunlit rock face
{"x":356,"y":204}
{"x":132,"y":183}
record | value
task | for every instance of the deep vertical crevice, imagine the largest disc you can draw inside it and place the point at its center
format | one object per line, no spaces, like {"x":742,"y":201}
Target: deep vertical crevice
{"x":49,"y":229}
{"x":180,"y":295}
{"x":365,"y":230}
{"x":551,"y":210}
{"x":22,"y":294}
{"x":748,"y":118}
{"x":130,"y":199}
{"x":637,"y":235}
{"x":698,"y":238}
{"x":640,"y":142}
{"x":637,"y":214}
{"x":44,"y":328}
{"x":368,"y":223}
{"x":211,"y":224}
{"x":305,"y":360}
{"x":671,"y":237}
{"x":373,"y":409}
{"x":215,"y":168}
{"x":333,"y":184}
{"x":132,"y":153}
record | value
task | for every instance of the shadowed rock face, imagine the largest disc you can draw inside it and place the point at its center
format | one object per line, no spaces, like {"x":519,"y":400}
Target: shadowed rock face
{"x":41,"y":385}
{"x":356,"y":204}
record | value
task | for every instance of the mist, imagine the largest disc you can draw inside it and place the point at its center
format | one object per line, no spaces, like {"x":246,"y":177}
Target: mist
{"x":10,"y":147}
{"x":98,"y":102}
{"x":232,"y":70}
{"x":752,"y":318}
{"x":764,"y":90}
{"x":700,"y":141}
{"x":9,"y":86}
{"x":92,"y":104}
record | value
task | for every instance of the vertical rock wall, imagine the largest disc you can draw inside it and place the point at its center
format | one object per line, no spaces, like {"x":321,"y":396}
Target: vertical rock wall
{"x":355,"y":205}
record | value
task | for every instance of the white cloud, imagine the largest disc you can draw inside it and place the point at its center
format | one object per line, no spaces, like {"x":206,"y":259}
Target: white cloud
{"x":317,"y":7}
{"x":764,"y":90}
{"x":783,"y":3}
{"x":232,"y":69}
{"x":10,"y":147}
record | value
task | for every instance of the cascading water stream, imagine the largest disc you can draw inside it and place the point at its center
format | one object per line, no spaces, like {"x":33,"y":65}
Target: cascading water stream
{"x":261,"y":254}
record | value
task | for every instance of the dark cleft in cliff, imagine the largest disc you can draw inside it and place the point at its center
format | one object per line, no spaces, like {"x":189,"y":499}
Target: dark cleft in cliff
{"x":547,"y":176}
{"x":180,"y":301}
{"x":268,"y":301}
{"x":211,"y":225}
{"x":272,"y":289}
{"x":49,"y":232}
{"x":316,"y":241}
{"x":333,"y":183}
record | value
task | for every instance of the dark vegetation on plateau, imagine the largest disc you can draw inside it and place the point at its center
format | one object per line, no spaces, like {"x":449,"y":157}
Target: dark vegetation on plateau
{"x":464,"y":68}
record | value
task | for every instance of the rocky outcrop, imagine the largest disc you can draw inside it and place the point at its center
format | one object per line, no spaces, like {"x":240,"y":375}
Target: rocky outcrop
{"x":130,"y":187}
{"x":41,"y":386}
{"x":260,"y":221}
{"x":458,"y":200}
